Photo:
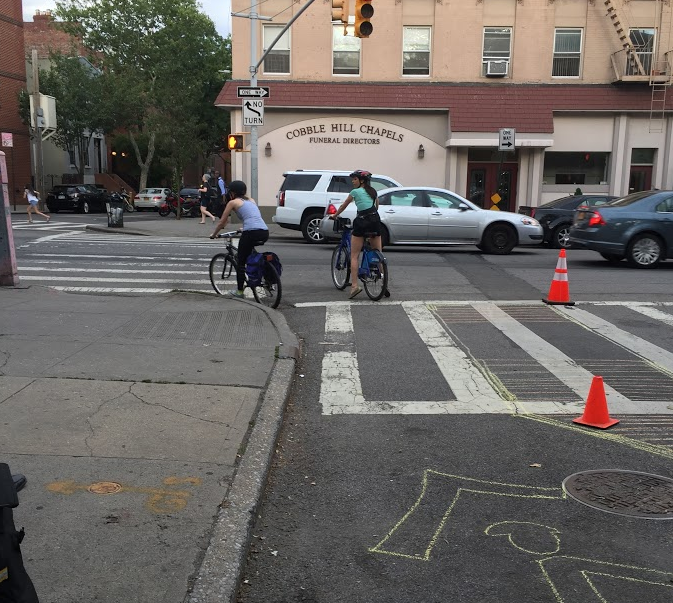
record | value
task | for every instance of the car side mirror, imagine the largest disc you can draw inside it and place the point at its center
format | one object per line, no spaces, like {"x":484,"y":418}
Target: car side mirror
{"x":463,"y":207}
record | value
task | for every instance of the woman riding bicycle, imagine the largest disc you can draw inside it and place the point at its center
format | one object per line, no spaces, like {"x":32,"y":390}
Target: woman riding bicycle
{"x":366,"y":224}
{"x":255,"y":230}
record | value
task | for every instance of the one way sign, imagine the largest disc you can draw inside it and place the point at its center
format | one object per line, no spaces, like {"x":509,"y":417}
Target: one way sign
{"x":507,"y":142}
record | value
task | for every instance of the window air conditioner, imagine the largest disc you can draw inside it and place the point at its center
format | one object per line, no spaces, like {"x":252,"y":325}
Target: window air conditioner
{"x":497,"y":68}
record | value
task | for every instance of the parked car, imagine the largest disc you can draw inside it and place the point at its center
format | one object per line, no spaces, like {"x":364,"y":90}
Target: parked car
{"x":82,"y":198}
{"x":638,"y":227}
{"x":101,"y":188}
{"x":304,"y":195}
{"x":151,"y":198}
{"x":556,"y":217}
{"x":424,"y":215}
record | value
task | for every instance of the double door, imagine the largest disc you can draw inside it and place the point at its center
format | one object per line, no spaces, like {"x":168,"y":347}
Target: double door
{"x":486,"y":179}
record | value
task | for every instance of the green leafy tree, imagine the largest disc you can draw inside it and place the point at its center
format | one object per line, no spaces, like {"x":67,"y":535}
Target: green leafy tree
{"x":165,"y":55}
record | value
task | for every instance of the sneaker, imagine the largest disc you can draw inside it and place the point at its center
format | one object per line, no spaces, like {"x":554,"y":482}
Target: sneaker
{"x":236,"y":293}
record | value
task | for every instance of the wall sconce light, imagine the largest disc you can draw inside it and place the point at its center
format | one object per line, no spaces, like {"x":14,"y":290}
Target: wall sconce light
{"x":113,"y":153}
{"x":421,"y":151}
{"x":267,"y":149}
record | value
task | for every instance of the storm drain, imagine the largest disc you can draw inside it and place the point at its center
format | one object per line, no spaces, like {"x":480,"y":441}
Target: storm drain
{"x":629,"y":493}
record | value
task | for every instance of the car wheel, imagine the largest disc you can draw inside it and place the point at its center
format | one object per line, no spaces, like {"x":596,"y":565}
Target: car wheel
{"x":644,"y":251}
{"x":612,"y":257}
{"x":310,"y":228}
{"x":499,"y":239}
{"x":560,"y":238}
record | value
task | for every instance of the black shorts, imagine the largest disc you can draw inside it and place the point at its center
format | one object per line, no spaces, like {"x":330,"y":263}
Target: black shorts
{"x":367,"y":226}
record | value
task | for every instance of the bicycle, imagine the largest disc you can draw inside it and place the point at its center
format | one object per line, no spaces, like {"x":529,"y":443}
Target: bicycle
{"x":223,"y":265}
{"x":373,"y":271}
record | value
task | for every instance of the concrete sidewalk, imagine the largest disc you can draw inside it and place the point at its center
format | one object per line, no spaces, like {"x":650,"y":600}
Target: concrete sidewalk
{"x":145,"y":426}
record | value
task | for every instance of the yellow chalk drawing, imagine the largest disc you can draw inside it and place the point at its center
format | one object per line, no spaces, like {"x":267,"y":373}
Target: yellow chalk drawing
{"x":160,"y":500}
{"x":507,"y":528}
{"x":577,"y":585}
{"x":399,"y":537}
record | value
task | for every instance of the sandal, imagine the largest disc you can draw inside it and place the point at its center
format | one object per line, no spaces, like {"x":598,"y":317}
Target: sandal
{"x":355,"y":292}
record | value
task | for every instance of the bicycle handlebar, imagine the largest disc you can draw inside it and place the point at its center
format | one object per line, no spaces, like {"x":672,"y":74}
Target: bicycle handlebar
{"x":226,"y":235}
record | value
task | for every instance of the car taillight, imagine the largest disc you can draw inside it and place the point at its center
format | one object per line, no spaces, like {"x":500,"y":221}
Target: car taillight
{"x":281,"y":199}
{"x":532,"y":213}
{"x":596,"y":219}
{"x":137,"y":197}
{"x":156,"y":198}
{"x":331,"y":210}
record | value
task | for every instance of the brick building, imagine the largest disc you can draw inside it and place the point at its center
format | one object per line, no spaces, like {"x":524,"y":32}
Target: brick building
{"x":12,"y":80}
{"x":584,"y":84}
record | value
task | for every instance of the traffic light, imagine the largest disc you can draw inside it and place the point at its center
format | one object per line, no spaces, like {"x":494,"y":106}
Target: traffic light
{"x":236,"y":142}
{"x":340,"y":12}
{"x":363,"y":12}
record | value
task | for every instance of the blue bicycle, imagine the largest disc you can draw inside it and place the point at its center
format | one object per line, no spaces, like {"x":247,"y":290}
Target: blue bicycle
{"x":373,"y":271}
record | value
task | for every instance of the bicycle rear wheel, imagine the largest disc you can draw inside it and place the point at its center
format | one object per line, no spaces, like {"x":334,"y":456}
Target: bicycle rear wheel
{"x":376,"y":283}
{"x":341,"y":267}
{"x":222,"y":273}
{"x":269,"y":292}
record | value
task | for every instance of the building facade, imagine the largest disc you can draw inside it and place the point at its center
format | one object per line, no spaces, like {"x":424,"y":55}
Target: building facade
{"x":15,"y":137}
{"x":582,"y":86}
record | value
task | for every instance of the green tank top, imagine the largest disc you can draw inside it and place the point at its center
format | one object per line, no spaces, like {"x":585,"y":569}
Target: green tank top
{"x":362,"y":199}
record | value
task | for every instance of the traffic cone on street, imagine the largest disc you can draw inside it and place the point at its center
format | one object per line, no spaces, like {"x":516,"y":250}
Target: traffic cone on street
{"x":559,"y":293}
{"x":596,"y":409}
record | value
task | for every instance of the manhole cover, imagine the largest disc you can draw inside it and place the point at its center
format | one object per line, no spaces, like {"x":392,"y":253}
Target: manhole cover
{"x":105,"y":488}
{"x":629,"y":493}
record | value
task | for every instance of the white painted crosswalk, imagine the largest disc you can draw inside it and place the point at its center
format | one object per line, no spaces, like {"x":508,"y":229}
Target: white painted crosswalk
{"x":639,"y":372}
{"x":43,"y":225}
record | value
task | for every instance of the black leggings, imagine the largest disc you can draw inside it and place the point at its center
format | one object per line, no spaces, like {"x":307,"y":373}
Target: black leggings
{"x":248,"y":240}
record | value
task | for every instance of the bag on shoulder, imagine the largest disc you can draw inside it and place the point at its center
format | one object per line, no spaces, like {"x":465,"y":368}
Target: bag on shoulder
{"x":254,"y":269}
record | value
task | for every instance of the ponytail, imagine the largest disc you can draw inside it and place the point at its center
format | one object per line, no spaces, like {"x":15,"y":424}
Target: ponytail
{"x":371,"y":191}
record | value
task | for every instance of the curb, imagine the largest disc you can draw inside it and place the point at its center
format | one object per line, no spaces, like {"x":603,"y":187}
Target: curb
{"x":119,"y":231}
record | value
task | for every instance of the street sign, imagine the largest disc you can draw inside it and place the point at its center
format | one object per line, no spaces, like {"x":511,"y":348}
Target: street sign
{"x":253,"y":92}
{"x":507,"y":142}
{"x":253,"y":112}
{"x":7,"y":139}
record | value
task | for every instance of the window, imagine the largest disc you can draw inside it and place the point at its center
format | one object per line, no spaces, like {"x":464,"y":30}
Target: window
{"x":406,"y":198}
{"x":567,"y":52}
{"x":379,"y":184}
{"x":340,"y":184}
{"x":71,"y":156}
{"x":278,"y":60}
{"x":575,"y":168}
{"x":643,"y":42}
{"x":416,"y":51}
{"x":497,"y":45}
{"x":85,"y":150}
{"x":444,"y":201}
{"x":666,"y":206}
{"x":345,"y":51}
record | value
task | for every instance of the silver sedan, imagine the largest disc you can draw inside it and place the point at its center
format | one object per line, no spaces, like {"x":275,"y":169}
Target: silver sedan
{"x":424,"y":215}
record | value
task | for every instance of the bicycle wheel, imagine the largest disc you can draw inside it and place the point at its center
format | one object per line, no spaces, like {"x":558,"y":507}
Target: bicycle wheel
{"x":341,"y":267}
{"x":376,"y":283}
{"x":222,"y":273}
{"x":269,"y":292}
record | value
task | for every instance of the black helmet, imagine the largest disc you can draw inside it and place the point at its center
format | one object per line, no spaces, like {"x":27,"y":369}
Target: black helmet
{"x":363,"y":175}
{"x":238,"y":188}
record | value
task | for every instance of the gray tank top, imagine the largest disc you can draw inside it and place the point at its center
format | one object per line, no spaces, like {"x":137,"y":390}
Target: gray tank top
{"x":250,"y":216}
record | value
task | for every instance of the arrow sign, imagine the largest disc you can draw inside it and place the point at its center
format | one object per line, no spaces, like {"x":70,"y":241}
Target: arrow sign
{"x":250,"y":107}
{"x":506,"y":141}
{"x":253,"y":112}
{"x":253,"y":92}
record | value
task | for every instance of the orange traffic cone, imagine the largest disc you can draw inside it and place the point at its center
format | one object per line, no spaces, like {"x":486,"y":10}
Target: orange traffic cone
{"x":596,"y":409}
{"x":559,"y":293}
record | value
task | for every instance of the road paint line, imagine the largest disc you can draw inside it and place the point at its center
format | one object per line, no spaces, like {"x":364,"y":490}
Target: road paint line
{"x":503,"y":302}
{"x":564,"y":368}
{"x":112,"y":270}
{"x":651,"y":312}
{"x":110,"y":290}
{"x":54,"y":237}
{"x":115,"y":257}
{"x":662,"y":359}
{"x":112,"y":280}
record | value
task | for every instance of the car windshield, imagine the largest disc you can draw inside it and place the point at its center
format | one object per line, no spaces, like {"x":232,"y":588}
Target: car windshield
{"x":632,"y":198}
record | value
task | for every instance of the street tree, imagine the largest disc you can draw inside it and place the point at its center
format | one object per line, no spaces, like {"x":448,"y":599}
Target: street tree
{"x":165,"y":55}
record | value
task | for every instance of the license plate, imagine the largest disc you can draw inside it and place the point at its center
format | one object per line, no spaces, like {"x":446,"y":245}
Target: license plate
{"x":61,"y":196}
{"x":580,"y":216}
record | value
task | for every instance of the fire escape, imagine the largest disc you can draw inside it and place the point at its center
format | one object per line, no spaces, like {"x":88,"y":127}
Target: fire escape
{"x":640,"y":65}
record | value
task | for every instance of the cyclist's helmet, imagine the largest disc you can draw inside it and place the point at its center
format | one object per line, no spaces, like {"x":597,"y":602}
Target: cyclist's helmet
{"x":238,"y":188}
{"x":363,"y":175}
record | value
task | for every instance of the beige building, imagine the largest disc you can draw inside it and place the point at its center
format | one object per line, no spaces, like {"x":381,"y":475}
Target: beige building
{"x":581,"y":85}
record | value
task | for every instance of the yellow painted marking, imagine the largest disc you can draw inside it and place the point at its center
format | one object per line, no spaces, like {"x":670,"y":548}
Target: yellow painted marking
{"x":475,"y":486}
{"x":505,"y":528}
{"x":160,"y":500}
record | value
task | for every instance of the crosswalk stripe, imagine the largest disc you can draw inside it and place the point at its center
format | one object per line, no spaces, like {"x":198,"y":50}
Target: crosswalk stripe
{"x":43,"y":270}
{"x":111,"y":279}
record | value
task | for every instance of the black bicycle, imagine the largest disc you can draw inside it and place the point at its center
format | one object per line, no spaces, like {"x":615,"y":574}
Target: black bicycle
{"x":223,"y":273}
{"x":373,"y":270}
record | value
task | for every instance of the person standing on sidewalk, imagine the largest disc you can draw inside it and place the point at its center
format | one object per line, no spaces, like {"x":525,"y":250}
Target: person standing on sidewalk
{"x":206,"y":194}
{"x":255,"y":230}
{"x":33,"y":198}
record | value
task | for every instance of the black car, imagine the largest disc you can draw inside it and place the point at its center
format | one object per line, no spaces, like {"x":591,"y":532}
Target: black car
{"x":638,"y":227}
{"x":82,"y":198}
{"x":556,"y":217}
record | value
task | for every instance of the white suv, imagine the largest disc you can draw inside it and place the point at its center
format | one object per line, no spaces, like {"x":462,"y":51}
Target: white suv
{"x":304,"y":195}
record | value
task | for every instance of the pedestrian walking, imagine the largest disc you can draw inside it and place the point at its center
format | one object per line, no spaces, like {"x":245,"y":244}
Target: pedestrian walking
{"x":206,"y":194}
{"x":33,"y":198}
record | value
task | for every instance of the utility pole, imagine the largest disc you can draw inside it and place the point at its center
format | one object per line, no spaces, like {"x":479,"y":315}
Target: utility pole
{"x":9,"y":276}
{"x":38,"y":114}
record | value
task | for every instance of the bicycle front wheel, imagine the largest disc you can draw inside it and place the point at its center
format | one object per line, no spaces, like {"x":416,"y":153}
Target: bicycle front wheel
{"x":222,"y":273}
{"x":341,"y":267}
{"x":376,"y":283}
{"x":268,"y":293}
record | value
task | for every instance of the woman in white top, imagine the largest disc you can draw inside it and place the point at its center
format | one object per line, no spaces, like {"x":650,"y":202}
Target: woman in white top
{"x":33,"y":199}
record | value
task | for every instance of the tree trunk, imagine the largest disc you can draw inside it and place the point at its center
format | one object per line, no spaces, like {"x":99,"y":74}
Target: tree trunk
{"x":144,"y":165}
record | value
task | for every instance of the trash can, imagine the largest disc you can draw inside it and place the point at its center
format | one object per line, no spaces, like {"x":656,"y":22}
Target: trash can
{"x":115,"y":213}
